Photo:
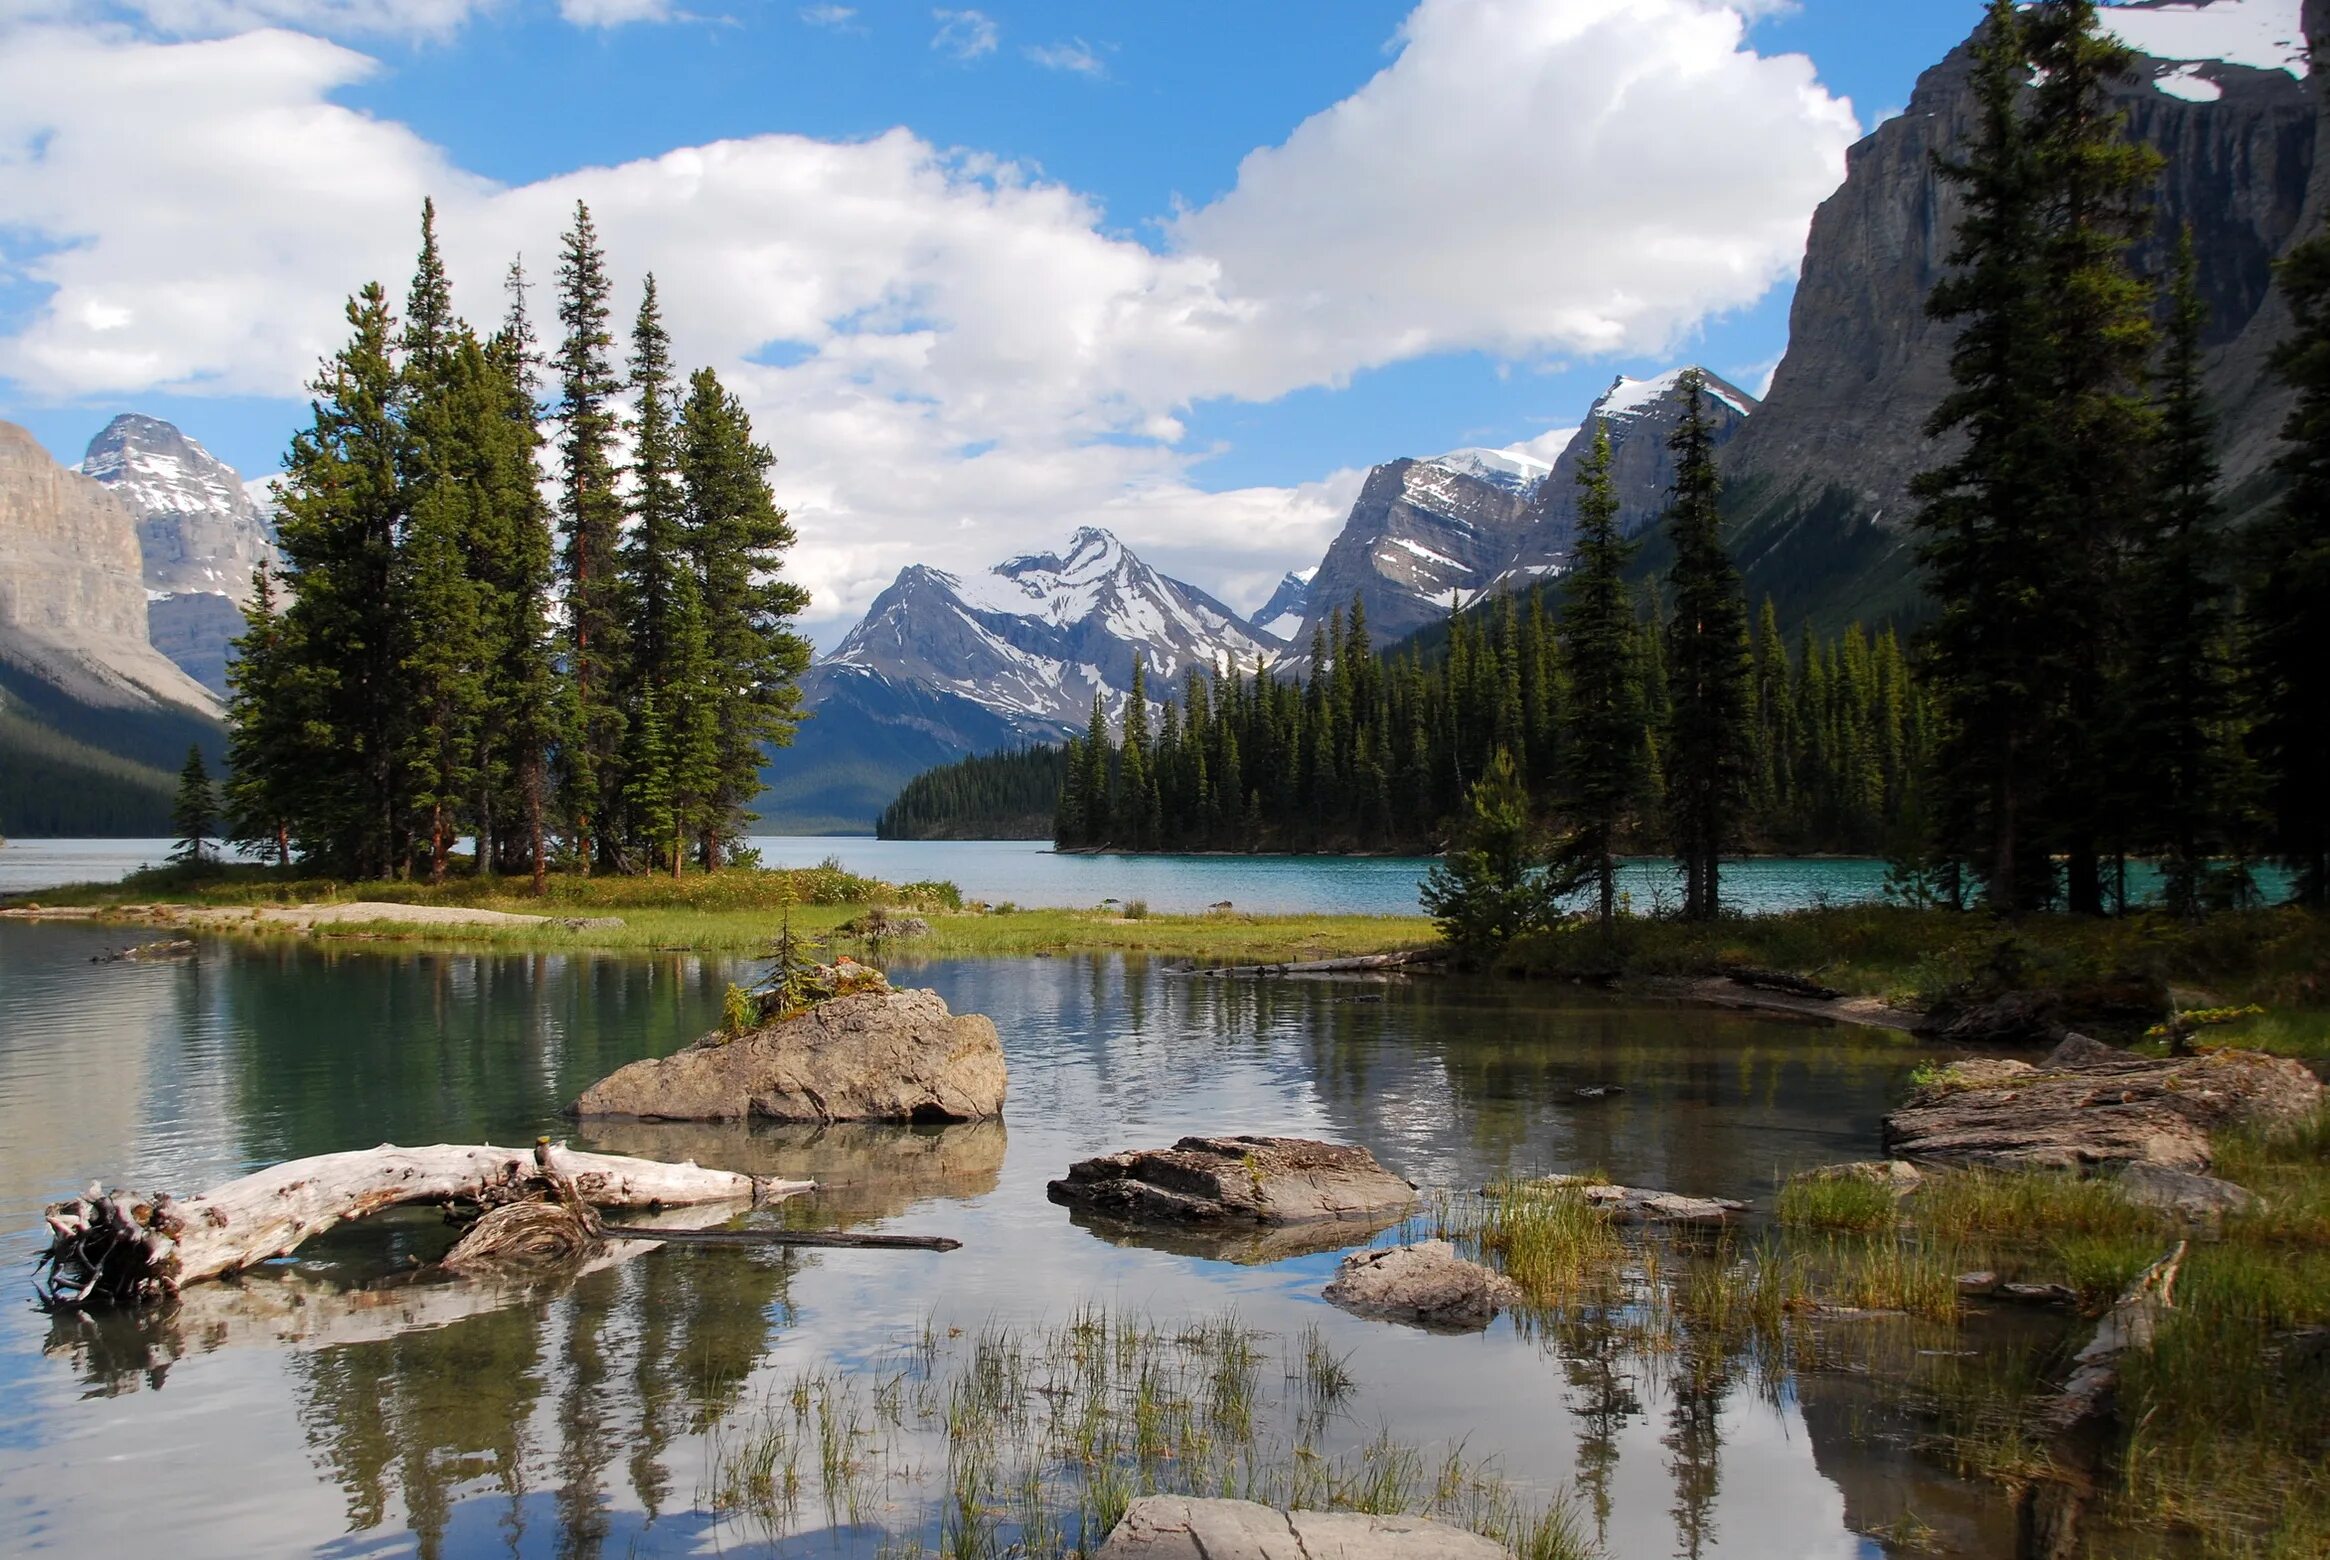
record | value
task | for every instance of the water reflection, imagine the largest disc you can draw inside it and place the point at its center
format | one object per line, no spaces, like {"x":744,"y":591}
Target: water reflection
{"x":582,"y":1415}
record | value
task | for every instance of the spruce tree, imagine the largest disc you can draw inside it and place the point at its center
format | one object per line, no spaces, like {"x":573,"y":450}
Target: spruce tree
{"x":591,"y":524}
{"x":2286,"y":619}
{"x":1494,"y":883}
{"x":1708,"y":742}
{"x":1986,"y":560}
{"x":738,"y":538}
{"x":266,"y":760}
{"x":1602,"y":740}
{"x":2171,"y":751}
{"x":194,"y":814}
{"x":531,"y":704}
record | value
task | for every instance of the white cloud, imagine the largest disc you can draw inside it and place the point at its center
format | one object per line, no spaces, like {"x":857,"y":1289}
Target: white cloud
{"x":1075,"y":56}
{"x":836,"y":17}
{"x":429,"y":19}
{"x":964,"y":34}
{"x":975,"y":360}
{"x":614,"y":13}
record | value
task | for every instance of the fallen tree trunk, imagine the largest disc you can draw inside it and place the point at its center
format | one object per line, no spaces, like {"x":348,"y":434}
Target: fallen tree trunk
{"x":116,"y":1248}
{"x":1355,"y":962}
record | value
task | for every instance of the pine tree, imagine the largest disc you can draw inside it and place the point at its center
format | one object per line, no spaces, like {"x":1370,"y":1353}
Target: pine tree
{"x":2171,"y":748}
{"x":591,"y":525}
{"x":343,"y":508}
{"x":1708,"y":744}
{"x":1980,"y":540}
{"x":531,"y":704}
{"x":1494,"y":885}
{"x":265,"y":758}
{"x":668,"y":658}
{"x":738,"y":538}
{"x":1602,"y":742}
{"x":2286,"y":627}
{"x":194,"y":814}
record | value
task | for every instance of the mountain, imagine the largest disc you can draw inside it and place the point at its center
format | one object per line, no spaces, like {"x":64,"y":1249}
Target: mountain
{"x":201,"y":531}
{"x":1641,"y":414}
{"x":1420,"y":531}
{"x":1818,"y":480}
{"x":945,"y":665}
{"x":1281,"y":616}
{"x":93,"y":721}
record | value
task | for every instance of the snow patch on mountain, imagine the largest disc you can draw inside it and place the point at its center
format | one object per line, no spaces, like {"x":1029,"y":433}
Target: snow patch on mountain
{"x":1627,"y":399}
{"x":2260,"y":34}
{"x":1514,"y":468}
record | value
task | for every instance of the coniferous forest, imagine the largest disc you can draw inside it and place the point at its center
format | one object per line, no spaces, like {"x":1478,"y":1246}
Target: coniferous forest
{"x":2107,"y":675}
{"x":584,"y":676}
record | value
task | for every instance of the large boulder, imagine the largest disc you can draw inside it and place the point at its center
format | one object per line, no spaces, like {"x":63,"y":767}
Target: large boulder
{"x":1427,"y":1283}
{"x":1235,"y":1180}
{"x":1182,"y":1527}
{"x":2090,"y":1106}
{"x":878,"y":1055}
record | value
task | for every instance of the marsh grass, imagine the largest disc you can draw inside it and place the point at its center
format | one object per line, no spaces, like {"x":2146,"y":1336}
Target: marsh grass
{"x":1032,"y":1441}
{"x":1970,"y":1205}
{"x":1838,"y":1202}
{"x":1547,"y":1238}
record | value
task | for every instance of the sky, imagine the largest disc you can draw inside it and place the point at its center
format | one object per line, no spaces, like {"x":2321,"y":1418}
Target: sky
{"x":982,"y":275}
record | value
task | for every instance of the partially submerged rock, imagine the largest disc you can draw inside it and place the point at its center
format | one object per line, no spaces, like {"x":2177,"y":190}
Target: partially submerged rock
{"x":1897,"y":1176}
{"x":2198,"y":1199}
{"x":878,"y":1055}
{"x":2091,"y":1106}
{"x":1635,"y":1204}
{"x":1247,"y":1245}
{"x":1235,"y":1180}
{"x":1427,"y":1283}
{"x":1181,"y":1527}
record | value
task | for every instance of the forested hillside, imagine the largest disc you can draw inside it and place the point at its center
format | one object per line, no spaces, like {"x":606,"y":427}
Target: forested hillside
{"x":998,"y":796}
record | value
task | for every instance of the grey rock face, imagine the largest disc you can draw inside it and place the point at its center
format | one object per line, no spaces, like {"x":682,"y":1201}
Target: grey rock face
{"x":1820,"y":477}
{"x":1641,"y":414}
{"x":1235,"y":1180}
{"x":879,"y":1056}
{"x":200,"y":536}
{"x":1180,"y":1527}
{"x":1419,"y":531}
{"x":2200,"y":1199}
{"x":1427,"y":1283}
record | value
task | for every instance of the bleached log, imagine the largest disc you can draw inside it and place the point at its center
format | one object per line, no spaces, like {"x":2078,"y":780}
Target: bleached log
{"x":2129,"y":1326}
{"x":121,"y":1248}
{"x":1351,"y":964}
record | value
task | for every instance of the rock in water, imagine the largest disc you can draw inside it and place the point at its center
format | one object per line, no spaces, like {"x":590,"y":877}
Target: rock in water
{"x":876,"y":1056}
{"x":2198,"y":1199}
{"x":1235,"y":1180}
{"x":2096,"y":1108}
{"x":1427,"y":1283}
{"x":1181,"y":1527}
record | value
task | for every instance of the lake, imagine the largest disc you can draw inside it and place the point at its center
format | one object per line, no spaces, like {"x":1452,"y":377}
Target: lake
{"x":604,"y":1415}
{"x":1028,"y":872}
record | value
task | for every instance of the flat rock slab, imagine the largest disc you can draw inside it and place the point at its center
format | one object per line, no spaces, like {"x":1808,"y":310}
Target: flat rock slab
{"x":1176,"y":1527}
{"x":2089,"y":1106}
{"x":1638,"y":1204}
{"x":1897,"y":1176}
{"x":876,"y":1056}
{"x":2200,"y":1199}
{"x":1427,"y":1284}
{"x":1235,"y":1180}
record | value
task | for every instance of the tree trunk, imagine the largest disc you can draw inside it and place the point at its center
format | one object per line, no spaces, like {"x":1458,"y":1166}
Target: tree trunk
{"x":117,"y":1247}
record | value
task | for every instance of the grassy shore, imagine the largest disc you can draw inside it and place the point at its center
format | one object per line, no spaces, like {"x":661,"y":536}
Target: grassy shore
{"x":735,"y":911}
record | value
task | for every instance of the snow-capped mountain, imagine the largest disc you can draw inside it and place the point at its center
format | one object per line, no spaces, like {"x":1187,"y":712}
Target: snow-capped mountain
{"x":1281,"y":616}
{"x":201,"y":532}
{"x":1514,"y":469}
{"x":944,"y":665}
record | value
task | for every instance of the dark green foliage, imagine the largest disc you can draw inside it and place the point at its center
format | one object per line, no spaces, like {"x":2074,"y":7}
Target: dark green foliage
{"x":998,"y":796}
{"x":194,"y":813}
{"x":1604,"y":732}
{"x":1494,"y":884}
{"x":414,"y":692}
{"x":2286,"y":628}
{"x":1708,"y":752}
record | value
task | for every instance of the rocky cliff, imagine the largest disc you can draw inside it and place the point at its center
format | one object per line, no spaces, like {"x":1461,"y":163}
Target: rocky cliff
{"x":1819,"y":479}
{"x":1421,"y":531}
{"x":200,"y":535}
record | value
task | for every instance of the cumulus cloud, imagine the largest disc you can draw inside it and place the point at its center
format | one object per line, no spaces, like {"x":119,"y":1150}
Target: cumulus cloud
{"x":1075,"y":56}
{"x":429,"y":19}
{"x":964,"y":34}
{"x":956,"y":358}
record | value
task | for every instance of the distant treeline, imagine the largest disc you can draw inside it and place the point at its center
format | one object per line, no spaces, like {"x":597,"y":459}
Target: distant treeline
{"x":52,"y":785}
{"x":1369,"y":752}
{"x":999,"y":796}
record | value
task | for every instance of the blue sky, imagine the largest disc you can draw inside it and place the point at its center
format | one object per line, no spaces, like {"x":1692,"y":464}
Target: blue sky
{"x":983,"y":274}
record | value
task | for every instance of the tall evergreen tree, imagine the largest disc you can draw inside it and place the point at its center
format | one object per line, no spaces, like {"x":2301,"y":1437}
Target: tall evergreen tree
{"x":1986,"y":561}
{"x":265,"y":756}
{"x":591,"y":522}
{"x":2172,"y":747}
{"x":1708,"y":742}
{"x":738,"y":538}
{"x":2286,"y":628}
{"x":531,"y":705}
{"x":1602,"y":742}
{"x":194,"y":814}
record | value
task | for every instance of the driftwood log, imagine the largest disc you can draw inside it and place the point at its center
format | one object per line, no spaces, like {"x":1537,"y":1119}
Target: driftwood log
{"x":117,"y":1248}
{"x":1782,"y":981}
{"x":1355,"y":963}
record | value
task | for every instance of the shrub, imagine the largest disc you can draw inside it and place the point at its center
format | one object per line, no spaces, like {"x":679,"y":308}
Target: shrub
{"x":1136,"y":910}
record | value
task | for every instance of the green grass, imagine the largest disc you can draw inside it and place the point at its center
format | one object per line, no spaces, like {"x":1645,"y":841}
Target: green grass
{"x":1837,"y":1202}
{"x":1969,"y":1205}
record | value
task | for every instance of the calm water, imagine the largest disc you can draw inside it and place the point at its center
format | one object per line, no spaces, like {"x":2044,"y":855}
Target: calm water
{"x":1027,"y":872}
{"x":581,"y":1419}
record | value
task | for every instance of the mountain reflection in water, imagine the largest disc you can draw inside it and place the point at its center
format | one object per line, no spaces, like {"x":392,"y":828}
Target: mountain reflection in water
{"x":313,"y":1408}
